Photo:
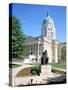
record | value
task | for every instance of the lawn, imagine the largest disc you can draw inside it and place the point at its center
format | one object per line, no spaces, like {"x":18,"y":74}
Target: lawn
{"x":14,"y":65}
{"x":58,"y":65}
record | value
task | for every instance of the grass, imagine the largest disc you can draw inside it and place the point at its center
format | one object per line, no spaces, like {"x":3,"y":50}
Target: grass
{"x":14,"y":65}
{"x":58,"y":65}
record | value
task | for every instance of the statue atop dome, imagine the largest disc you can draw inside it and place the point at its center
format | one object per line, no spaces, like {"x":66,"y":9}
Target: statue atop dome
{"x":47,"y":14}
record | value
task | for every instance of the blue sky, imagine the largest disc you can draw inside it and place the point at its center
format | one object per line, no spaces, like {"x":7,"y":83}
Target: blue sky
{"x":32,"y":16}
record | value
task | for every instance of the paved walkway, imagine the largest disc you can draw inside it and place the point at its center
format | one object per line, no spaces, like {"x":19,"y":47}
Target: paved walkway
{"x":18,"y":81}
{"x":27,"y":80}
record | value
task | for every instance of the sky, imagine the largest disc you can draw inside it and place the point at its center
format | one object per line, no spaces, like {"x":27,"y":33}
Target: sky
{"x":31,"y":17}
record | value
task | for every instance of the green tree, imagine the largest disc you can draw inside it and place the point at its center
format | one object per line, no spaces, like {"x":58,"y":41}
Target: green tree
{"x":63,"y":54}
{"x":17,"y":38}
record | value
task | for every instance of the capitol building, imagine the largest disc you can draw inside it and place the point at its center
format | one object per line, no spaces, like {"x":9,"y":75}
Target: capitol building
{"x":46,"y":41}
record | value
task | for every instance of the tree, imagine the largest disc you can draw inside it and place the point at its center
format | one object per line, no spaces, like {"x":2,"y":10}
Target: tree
{"x":63,"y":54}
{"x":17,"y":37}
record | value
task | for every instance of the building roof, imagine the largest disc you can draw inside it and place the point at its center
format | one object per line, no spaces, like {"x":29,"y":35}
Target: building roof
{"x":30,"y":39}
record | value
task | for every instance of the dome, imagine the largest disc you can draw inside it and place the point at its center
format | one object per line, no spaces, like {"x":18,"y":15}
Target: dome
{"x":48,"y":28}
{"x":47,"y":20}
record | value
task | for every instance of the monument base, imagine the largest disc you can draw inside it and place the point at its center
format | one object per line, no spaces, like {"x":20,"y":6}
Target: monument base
{"x":46,"y":71}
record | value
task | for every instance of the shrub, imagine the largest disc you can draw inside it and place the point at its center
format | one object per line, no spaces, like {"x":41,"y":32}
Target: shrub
{"x":36,"y":69}
{"x":34,"y":72}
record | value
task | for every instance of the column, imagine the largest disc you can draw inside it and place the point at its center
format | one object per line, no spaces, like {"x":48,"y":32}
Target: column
{"x":38,"y":53}
{"x":26,"y":50}
{"x":35,"y":50}
{"x":30,"y":47}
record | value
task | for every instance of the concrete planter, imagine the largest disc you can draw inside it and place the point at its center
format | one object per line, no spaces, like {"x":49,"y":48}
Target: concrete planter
{"x":58,"y":70}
